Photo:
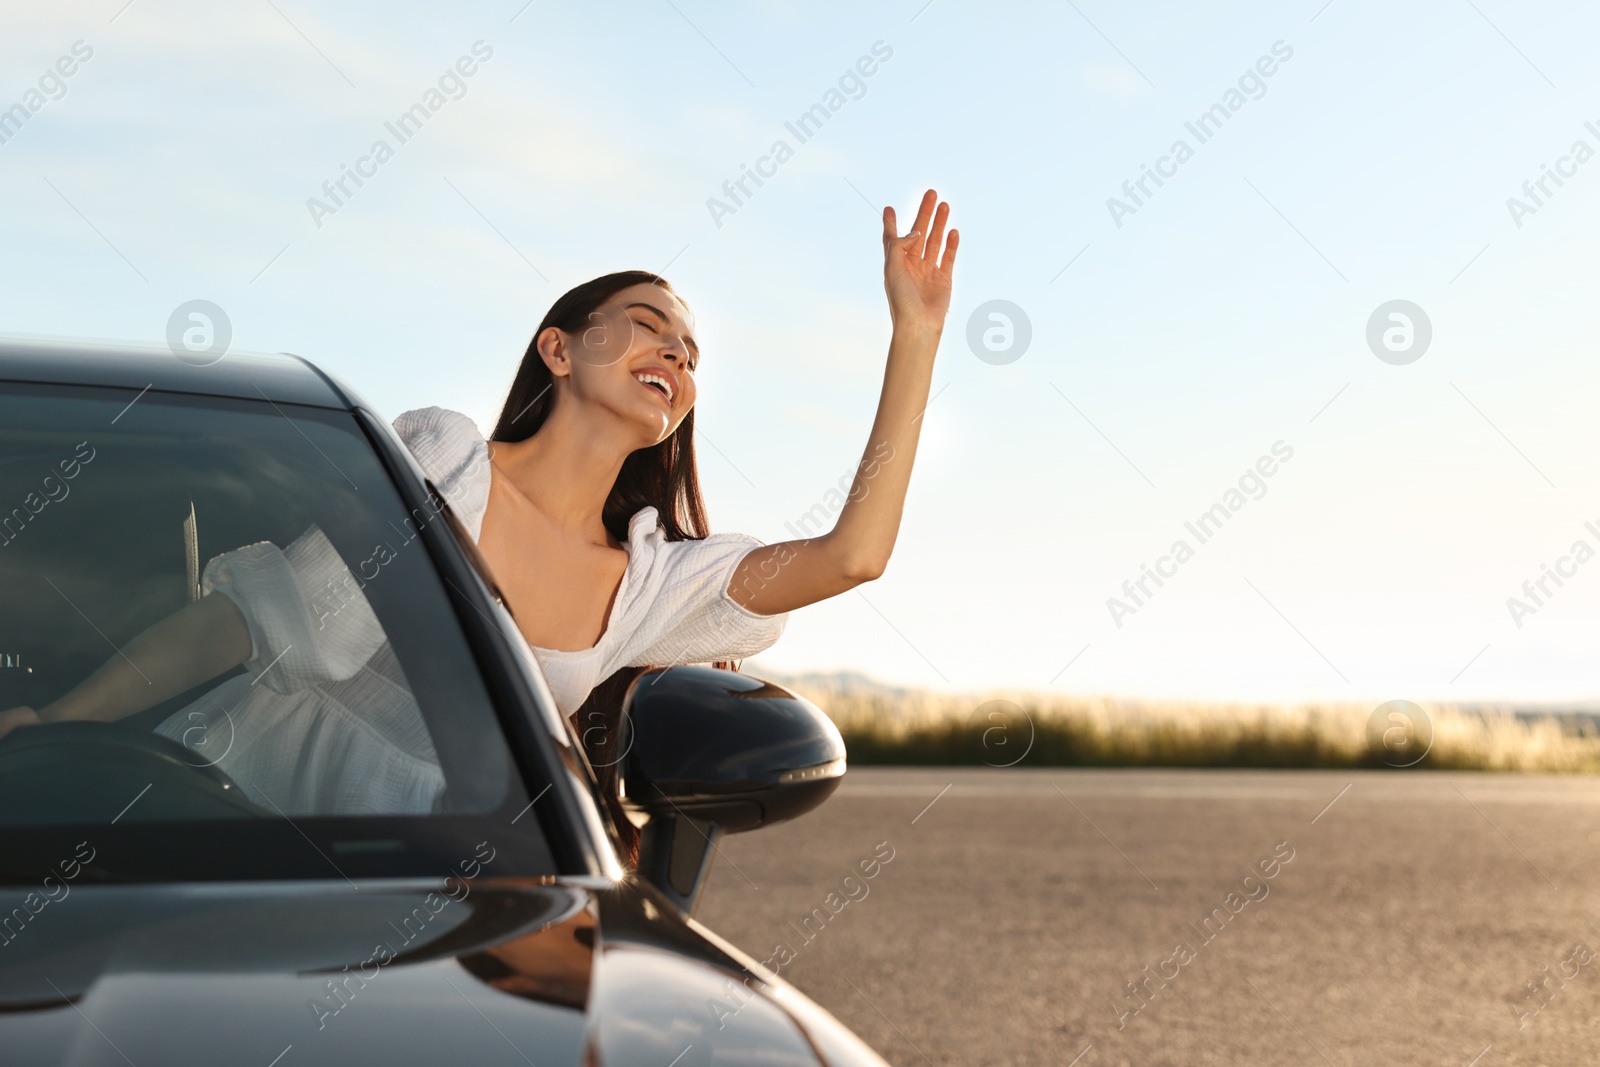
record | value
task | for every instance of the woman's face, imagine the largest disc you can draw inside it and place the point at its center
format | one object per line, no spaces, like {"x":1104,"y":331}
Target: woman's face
{"x":636,"y":360}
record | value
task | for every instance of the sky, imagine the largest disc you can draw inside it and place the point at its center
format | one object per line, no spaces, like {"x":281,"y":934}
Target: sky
{"x":1182,"y":339}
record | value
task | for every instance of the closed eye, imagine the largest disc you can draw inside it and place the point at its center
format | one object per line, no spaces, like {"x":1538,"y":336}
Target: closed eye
{"x":657,"y":332}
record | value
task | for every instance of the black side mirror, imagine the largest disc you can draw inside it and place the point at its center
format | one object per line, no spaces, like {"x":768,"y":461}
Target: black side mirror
{"x":710,"y":752}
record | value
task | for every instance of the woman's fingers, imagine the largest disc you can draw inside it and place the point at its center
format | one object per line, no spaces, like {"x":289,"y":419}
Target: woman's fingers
{"x":927,"y":232}
{"x":936,"y":235}
{"x":950,"y":246}
{"x":924,"y":215}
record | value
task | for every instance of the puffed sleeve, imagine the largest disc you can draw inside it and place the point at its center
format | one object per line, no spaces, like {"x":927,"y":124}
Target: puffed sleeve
{"x":692,"y":618}
{"x":453,"y":453}
{"x":308,"y":618}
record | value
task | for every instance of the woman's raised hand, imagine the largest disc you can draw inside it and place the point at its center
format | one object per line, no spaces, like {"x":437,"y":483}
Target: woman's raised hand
{"x":791,"y":574}
{"x":12,"y":718}
{"x":917,"y":281}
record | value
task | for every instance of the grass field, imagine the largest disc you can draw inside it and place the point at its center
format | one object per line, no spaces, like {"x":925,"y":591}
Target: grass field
{"x":882,"y":725}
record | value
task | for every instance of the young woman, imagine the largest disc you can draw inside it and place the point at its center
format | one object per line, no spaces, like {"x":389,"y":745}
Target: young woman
{"x":586,"y":506}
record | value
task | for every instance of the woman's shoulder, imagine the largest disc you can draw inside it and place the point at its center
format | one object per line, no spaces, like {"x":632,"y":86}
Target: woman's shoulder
{"x":436,"y":429}
{"x":693,"y":568}
{"x":646,"y":530}
{"x":453,"y":453}
{"x":677,"y":607}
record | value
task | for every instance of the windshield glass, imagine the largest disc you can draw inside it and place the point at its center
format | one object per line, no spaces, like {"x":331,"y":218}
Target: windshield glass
{"x":220,"y":613}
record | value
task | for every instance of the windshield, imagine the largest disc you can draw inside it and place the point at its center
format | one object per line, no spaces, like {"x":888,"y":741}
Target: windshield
{"x":219,"y":614}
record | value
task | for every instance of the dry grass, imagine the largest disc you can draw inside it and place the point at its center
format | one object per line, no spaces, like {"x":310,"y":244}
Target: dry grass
{"x":922,"y":727}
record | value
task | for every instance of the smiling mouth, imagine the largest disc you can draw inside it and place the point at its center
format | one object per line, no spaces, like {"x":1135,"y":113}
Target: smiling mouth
{"x":655,"y":383}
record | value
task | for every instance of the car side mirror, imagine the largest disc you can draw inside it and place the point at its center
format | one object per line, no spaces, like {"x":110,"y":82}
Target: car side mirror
{"x":709,"y":752}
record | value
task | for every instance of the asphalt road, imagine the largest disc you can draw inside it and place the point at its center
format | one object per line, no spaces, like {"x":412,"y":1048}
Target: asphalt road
{"x":1019,"y":906}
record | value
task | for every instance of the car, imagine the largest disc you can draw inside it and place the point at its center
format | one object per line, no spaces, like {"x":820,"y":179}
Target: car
{"x":165,"y":900}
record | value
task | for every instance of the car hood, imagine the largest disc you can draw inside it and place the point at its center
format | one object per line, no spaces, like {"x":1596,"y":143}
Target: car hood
{"x":497,"y":971}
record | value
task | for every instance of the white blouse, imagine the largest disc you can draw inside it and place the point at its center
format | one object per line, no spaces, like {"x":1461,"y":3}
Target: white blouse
{"x":673,"y":604}
{"x":324,"y":723}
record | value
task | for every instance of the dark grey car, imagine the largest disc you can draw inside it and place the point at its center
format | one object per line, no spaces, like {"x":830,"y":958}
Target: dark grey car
{"x":156,"y":911}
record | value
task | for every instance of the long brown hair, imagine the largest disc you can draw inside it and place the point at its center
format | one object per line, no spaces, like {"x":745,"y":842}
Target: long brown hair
{"x":662,"y":476}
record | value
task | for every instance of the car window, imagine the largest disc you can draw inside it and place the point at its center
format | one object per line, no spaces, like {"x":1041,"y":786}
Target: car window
{"x":361,"y":698}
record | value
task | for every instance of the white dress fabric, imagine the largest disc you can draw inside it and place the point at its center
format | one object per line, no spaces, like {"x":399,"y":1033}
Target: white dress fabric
{"x":673,"y":604}
{"x":324,"y":722}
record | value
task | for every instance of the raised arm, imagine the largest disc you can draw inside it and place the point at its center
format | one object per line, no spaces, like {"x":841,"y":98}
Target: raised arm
{"x":791,"y":574}
{"x":193,"y":644}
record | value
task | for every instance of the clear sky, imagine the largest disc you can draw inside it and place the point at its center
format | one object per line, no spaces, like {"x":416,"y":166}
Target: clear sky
{"x":1360,"y":153}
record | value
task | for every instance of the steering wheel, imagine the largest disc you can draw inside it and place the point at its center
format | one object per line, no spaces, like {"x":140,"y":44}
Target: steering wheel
{"x":93,"y":772}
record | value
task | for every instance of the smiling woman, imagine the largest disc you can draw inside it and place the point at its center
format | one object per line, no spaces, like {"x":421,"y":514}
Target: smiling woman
{"x":585,"y":504}
{"x":586,"y":500}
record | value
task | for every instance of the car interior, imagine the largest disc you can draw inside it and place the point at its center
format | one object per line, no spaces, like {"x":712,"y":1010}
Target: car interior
{"x":110,"y":507}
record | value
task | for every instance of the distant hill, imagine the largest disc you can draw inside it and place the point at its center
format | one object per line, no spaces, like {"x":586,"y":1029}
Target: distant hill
{"x":844,"y":683}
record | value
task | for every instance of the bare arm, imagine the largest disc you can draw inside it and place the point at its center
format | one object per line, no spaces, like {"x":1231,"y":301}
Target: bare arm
{"x":791,"y":574}
{"x":188,"y":647}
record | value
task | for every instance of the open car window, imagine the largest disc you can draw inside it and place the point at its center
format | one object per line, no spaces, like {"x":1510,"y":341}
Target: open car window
{"x":361,"y":701}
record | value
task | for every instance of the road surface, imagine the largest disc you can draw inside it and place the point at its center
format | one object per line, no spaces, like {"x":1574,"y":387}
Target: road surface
{"x":1403,"y":915}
